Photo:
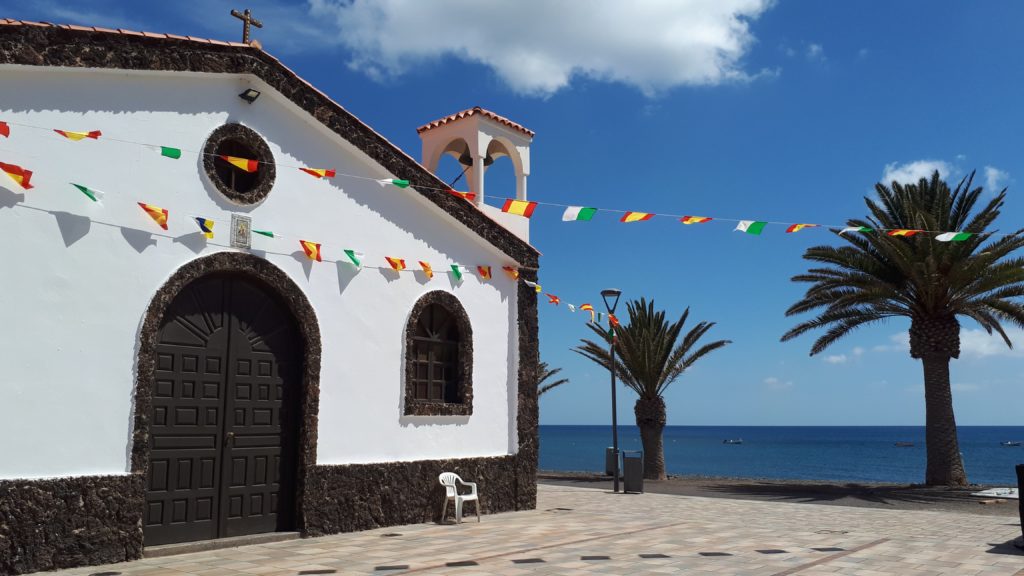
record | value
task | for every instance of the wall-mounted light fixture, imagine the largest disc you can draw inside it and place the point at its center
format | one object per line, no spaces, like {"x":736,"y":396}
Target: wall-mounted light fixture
{"x":249,"y":95}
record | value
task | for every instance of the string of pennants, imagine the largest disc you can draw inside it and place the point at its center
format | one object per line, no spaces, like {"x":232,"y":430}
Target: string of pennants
{"x":523,"y":208}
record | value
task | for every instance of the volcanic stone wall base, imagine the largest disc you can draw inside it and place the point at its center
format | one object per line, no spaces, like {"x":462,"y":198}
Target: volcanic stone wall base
{"x":351,"y":497}
{"x":65,"y":522}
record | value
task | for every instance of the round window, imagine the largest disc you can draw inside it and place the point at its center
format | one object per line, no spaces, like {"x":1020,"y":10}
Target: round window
{"x":239,"y":163}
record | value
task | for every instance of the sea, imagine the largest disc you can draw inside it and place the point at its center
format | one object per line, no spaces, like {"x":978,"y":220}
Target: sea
{"x":833,"y":453}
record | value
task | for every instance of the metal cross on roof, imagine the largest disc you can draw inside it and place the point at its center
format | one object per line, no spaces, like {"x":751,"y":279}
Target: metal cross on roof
{"x":247,"y":18}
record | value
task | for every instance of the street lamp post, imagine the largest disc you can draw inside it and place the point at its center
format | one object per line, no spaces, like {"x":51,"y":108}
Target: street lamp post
{"x":611,"y":300}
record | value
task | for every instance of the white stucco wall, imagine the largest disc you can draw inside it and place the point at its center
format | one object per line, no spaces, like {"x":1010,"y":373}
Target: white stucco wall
{"x":74,"y":291}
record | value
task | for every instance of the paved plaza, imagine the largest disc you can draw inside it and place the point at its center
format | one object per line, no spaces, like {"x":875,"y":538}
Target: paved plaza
{"x":586,"y":531}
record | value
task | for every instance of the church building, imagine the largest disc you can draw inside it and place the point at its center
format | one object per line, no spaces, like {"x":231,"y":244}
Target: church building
{"x":231,"y":308}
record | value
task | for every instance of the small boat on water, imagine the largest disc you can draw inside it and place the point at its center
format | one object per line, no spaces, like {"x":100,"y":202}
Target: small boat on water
{"x":732,"y":441}
{"x":904,"y":444}
{"x":1009,"y":443}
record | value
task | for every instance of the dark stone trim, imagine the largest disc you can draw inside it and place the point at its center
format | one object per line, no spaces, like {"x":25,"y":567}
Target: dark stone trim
{"x":66,"y":522}
{"x":464,"y":407}
{"x":527,"y":416}
{"x":265,"y":173}
{"x":258,"y":270}
{"x":54,"y":46}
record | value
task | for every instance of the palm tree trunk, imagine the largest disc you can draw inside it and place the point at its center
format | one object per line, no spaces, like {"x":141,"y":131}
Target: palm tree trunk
{"x":944,"y":467}
{"x":650,"y":418}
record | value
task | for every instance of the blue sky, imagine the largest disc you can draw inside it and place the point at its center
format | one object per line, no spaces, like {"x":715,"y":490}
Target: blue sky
{"x":783,"y":111}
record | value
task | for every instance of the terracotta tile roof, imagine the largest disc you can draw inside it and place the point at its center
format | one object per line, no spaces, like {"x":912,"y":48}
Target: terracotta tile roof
{"x":476,"y":110}
{"x":122,"y":31}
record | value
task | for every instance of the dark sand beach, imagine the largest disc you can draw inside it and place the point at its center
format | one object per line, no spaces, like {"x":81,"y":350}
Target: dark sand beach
{"x":865,"y":495}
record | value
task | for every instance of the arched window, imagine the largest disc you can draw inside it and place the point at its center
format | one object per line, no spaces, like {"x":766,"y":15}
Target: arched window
{"x":438,"y":358}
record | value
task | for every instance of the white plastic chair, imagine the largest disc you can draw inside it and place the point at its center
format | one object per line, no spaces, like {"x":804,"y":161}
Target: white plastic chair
{"x":448,"y":480}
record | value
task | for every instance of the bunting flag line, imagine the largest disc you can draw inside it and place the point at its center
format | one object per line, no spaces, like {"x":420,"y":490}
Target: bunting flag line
{"x":484,"y":271}
{"x":5,"y":130}
{"x":397,"y":264}
{"x":457,"y":272}
{"x":312,"y":250}
{"x":511,"y":272}
{"x":588,"y":308}
{"x":578,"y":214}
{"x":168,"y":152}
{"x":856,"y":229}
{"x":536,"y":287}
{"x":552,"y":299}
{"x":798,"y":227}
{"x":241,"y":163}
{"x":355,"y":257}
{"x":954,"y":236}
{"x":903,"y":232}
{"x":427,"y":270}
{"x":76,"y":136}
{"x":694,"y":219}
{"x":519,"y":207}
{"x":636,"y":217}
{"x":319,"y":172}
{"x":266,"y":233}
{"x":94,"y":195}
{"x":159,"y":215}
{"x":393,"y":182}
{"x":464,"y":195}
{"x":751,"y":227}
{"x":206,"y":226}
{"x":20,"y":175}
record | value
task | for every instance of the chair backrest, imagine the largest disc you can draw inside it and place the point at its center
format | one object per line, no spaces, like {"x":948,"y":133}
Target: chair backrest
{"x":447,"y":479}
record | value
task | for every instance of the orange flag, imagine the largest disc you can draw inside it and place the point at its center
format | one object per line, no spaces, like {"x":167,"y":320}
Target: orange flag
{"x":20,"y":175}
{"x":427,"y":270}
{"x":241,"y":163}
{"x":312,"y":250}
{"x":76,"y":136}
{"x":159,"y":215}
{"x":552,"y":299}
{"x":485,"y":272}
{"x":511,"y":271}
{"x":397,"y":264}
{"x":317,"y":172}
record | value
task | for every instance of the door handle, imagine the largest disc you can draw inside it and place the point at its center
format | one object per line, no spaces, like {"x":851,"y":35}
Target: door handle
{"x":230,"y":438}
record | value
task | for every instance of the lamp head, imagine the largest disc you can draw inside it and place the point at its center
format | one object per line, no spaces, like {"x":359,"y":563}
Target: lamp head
{"x":611,"y":298}
{"x":249,"y":95}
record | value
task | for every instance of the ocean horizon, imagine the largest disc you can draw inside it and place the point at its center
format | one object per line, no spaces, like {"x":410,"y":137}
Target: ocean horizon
{"x":828,"y":453}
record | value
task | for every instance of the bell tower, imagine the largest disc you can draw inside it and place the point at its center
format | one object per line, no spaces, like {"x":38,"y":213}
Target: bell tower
{"x":476,"y":138}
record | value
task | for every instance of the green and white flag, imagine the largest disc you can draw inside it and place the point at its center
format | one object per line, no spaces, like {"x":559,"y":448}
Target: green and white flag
{"x":751,"y":226}
{"x":355,"y":257}
{"x":457,"y":272}
{"x":393,"y":181}
{"x":856,"y":229}
{"x":571,"y":307}
{"x":578,"y":214}
{"x":266,"y":233}
{"x":953,"y":236}
{"x":93,"y":194}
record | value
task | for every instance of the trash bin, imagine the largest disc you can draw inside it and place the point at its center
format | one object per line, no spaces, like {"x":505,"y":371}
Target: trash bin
{"x":1020,"y":500}
{"x":609,"y":462}
{"x":633,"y":470}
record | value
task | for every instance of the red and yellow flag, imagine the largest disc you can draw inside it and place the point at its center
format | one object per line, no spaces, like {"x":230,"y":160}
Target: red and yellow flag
{"x":20,"y":175}
{"x":76,"y":136}
{"x":590,"y":309}
{"x":397,"y":264}
{"x":519,"y":207}
{"x":694,"y":219}
{"x":427,"y":270}
{"x":464,"y":195}
{"x":318,"y":172}
{"x":5,"y":130}
{"x":799,"y":227}
{"x":511,"y":271}
{"x":903,"y":232}
{"x":484,"y":271}
{"x":636,"y":216}
{"x":552,"y":299}
{"x":613,"y":320}
{"x":159,"y":215}
{"x":312,"y":250}
{"x":241,"y":163}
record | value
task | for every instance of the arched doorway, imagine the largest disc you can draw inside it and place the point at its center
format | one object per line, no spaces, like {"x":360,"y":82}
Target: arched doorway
{"x":225,"y":413}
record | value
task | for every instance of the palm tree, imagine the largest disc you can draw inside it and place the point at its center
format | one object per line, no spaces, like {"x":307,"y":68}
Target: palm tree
{"x":649,"y":357}
{"x":877,"y":276}
{"x":545,"y":373}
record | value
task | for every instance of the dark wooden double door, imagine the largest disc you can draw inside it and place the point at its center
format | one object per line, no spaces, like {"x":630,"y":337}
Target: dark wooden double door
{"x":225,"y":414}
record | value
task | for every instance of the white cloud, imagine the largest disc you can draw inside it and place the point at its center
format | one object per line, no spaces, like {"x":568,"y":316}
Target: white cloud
{"x":816,"y":53}
{"x":858,"y":351}
{"x":965,"y":387}
{"x":774,"y":383}
{"x":863,"y":53}
{"x":899,"y":342}
{"x":538,"y":46}
{"x":995,"y":179}
{"x":911,"y":172}
{"x":836,"y":359}
{"x":977,"y":343}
